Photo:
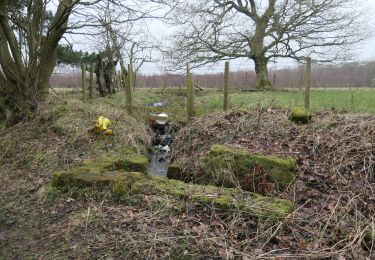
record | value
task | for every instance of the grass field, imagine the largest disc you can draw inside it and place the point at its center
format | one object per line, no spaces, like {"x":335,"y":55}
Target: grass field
{"x":361,"y":100}
{"x":211,"y":100}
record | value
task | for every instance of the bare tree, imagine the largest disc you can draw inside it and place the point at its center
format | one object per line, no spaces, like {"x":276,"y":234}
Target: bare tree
{"x":140,"y":52}
{"x":30,"y":31}
{"x":123,"y":36}
{"x":29,"y":35}
{"x":109,"y":49}
{"x":218,"y":30}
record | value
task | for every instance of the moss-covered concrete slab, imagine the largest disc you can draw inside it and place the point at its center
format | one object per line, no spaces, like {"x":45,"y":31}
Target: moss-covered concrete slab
{"x":233,"y":167}
{"x":135,"y":163}
{"x":300,"y":115}
{"x":112,"y":172}
{"x":123,"y":182}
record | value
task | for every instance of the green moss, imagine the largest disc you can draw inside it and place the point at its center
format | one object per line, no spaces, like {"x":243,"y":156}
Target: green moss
{"x":83,"y":177}
{"x":223,"y":201}
{"x":369,"y":238}
{"x":132,"y":163}
{"x":122,"y":182}
{"x":230,"y":166}
{"x":219,"y":150}
{"x":136,"y":164}
{"x":202,"y":198}
{"x":60,"y":111}
{"x":104,"y":164}
{"x":128,"y":151}
{"x":174,"y":171}
{"x":300,"y":115}
{"x":58,"y":129}
{"x":120,"y":187}
{"x":59,"y":179}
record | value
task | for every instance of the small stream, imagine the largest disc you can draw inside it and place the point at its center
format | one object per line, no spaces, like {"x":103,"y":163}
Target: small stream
{"x":161,"y":150}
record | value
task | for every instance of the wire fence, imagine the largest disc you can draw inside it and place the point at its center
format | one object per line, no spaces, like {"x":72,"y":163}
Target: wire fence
{"x":290,"y":77}
{"x":327,"y":85}
{"x":355,"y":74}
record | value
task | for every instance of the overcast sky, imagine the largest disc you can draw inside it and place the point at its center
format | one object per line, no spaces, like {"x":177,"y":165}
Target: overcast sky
{"x":364,"y":50}
{"x":367,"y":49}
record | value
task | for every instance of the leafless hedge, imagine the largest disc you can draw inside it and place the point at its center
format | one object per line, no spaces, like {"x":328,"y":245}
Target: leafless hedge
{"x":347,"y":75}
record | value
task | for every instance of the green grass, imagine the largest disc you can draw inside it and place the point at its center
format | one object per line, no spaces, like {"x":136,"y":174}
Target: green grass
{"x":211,"y":100}
{"x":360,"y":100}
{"x":353,"y":101}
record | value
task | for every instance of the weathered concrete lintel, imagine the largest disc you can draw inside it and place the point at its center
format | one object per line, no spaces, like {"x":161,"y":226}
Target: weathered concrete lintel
{"x":123,"y":182}
{"x":136,"y":163}
{"x":223,"y":159}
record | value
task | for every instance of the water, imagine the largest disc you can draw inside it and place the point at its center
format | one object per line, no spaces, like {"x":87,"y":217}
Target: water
{"x":160,"y":154}
{"x":158,"y":164}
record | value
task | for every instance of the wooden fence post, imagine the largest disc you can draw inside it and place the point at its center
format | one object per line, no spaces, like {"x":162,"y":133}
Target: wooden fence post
{"x":91,"y":86}
{"x":189,"y":94}
{"x":226,"y":86}
{"x":307,"y":84}
{"x":118,"y":80}
{"x":84,"y":86}
{"x":246,"y":85}
{"x":128,"y":90}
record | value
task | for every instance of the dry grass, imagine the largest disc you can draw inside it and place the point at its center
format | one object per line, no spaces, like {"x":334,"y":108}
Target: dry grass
{"x":39,"y":222}
{"x":58,"y":137}
{"x":335,"y":175}
{"x":60,"y":134}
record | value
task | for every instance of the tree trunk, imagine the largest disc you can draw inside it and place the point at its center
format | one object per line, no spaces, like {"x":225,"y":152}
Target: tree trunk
{"x":17,"y":102}
{"x":99,"y":71}
{"x":25,"y":81}
{"x":134,"y":79}
{"x":261,"y":71}
{"x":45,"y":68}
{"x":109,"y":68}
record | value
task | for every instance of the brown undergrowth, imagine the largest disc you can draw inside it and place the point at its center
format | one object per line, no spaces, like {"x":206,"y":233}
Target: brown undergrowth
{"x":334,"y":189}
{"x":333,"y":192}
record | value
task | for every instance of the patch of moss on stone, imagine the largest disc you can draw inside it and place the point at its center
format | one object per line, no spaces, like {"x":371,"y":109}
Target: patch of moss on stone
{"x":122,"y":182}
{"x":300,"y":115}
{"x":83,"y":177}
{"x":282,"y":205}
{"x":104,"y":164}
{"x":174,"y":171}
{"x":229,"y":166}
{"x":136,"y":163}
{"x":223,"y":201}
{"x":130,"y":151}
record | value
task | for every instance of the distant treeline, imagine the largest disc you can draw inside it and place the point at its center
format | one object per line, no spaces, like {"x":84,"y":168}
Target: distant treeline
{"x":346,"y":75}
